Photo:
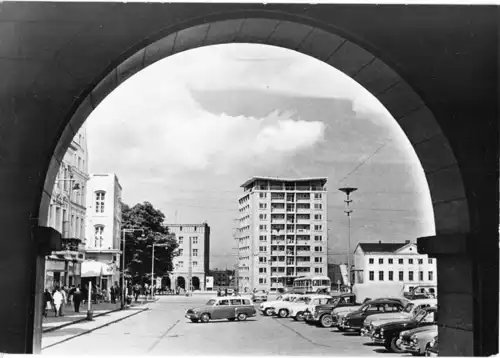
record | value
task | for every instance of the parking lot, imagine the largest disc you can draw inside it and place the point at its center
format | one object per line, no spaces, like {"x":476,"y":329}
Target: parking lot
{"x":163,"y":330}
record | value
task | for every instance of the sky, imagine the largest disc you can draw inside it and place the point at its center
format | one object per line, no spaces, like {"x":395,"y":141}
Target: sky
{"x":187,"y":131}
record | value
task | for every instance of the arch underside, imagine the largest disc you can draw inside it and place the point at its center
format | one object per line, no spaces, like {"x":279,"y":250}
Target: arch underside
{"x":401,"y":100}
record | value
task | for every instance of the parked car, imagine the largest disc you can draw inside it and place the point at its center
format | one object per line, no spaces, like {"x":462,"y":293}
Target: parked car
{"x":416,"y":341}
{"x":222,"y":308}
{"x":433,"y":349}
{"x":409,"y":312}
{"x":266,"y":308}
{"x":297,"y":310}
{"x":354,"y":320}
{"x":322,"y":314}
{"x":339,"y":313}
{"x":388,"y":333}
{"x":260,"y":295}
{"x":282,"y":309}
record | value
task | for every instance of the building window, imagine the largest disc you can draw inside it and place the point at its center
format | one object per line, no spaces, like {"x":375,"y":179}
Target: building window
{"x":318,"y":238}
{"x":400,"y":261}
{"x":318,"y":270}
{"x":262,"y":205}
{"x":262,"y":280}
{"x":262,"y":248}
{"x":371,"y":261}
{"x":99,"y":201}
{"x":318,"y":248}
{"x":381,"y":275}
{"x":371,"y":275}
{"x":262,"y":259}
{"x":263,"y":238}
{"x":430,"y":261}
{"x":195,"y":263}
{"x":317,"y":195}
{"x":263,"y":216}
{"x":195,"y":228}
{"x":410,"y":261}
{"x":181,"y":252}
{"x":420,"y":261}
{"x":391,"y":261}
{"x":195,"y":252}
{"x":401,"y":276}
{"x":391,"y":275}
{"x":410,"y":276}
{"x":263,"y":227}
{"x":318,"y":227}
{"x":181,"y":263}
{"x":318,"y":259}
{"x":431,"y":275}
{"x":262,"y":269}
{"x":421,"y":276}
{"x":262,"y":195}
{"x":318,"y":206}
{"x":99,"y":230}
{"x":380,"y":261}
{"x":318,"y":217}
{"x":195,"y":239}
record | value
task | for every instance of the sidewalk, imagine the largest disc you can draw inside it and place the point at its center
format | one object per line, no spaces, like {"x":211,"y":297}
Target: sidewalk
{"x":52,"y":323}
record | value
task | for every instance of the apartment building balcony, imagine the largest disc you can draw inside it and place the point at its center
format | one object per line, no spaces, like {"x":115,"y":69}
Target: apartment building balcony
{"x":303,"y":263}
{"x":278,"y":210}
{"x":278,"y":221}
{"x":303,"y":232}
{"x":303,"y":198}
{"x":279,"y":198}
{"x":277,"y":263}
{"x":303,"y":253}
{"x":278,"y":253}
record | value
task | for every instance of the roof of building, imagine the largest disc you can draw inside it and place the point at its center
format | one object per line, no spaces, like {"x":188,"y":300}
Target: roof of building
{"x":252,"y":179}
{"x":186,"y":225}
{"x":382,"y":246}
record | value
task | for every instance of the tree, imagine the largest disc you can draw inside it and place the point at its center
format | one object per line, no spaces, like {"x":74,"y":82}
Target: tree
{"x":138,"y":249}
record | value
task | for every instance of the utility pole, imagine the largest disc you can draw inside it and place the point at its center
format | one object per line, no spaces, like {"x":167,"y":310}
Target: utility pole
{"x":348,"y":211}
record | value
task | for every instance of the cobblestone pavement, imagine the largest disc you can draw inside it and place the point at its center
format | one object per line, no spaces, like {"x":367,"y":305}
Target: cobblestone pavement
{"x":163,"y":330}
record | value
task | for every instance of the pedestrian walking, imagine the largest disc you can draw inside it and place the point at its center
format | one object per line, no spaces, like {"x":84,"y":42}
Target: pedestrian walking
{"x":63,"y":303}
{"x":77,"y":298}
{"x":57,"y":298}
{"x":225,"y":292}
{"x":112,"y":293}
{"x":47,"y":302}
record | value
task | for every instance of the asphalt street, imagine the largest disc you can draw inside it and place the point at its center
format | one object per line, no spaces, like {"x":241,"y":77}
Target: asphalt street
{"x":163,"y":330}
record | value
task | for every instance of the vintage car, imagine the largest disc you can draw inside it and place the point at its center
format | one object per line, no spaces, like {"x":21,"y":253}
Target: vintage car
{"x":433,"y":349}
{"x":259,"y":295}
{"x":416,"y":341}
{"x":230,"y":308}
{"x":388,"y":333}
{"x":297,"y":310}
{"x":282,"y":309}
{"x":409,"y":312}
{"x":322,"y":314}
{"x":354,"y":320}
{"x":338,"y":314}
{"x":267,"y":309}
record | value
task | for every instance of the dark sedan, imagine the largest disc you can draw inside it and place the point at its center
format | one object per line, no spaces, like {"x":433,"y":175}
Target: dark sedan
{"x":354,"y":320}
{"x":388,"y":334}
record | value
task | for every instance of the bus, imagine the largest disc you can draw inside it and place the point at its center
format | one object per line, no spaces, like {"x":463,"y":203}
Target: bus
{"x":311,"y":284}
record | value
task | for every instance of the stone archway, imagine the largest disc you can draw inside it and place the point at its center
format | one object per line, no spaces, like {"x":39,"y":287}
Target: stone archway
{"x":195,"y":282}
{"x":181,"y":282}
{"x":446,"y":109}
{"x":166,"y":282}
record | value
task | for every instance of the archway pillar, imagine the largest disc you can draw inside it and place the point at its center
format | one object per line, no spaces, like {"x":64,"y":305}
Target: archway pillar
{"x":468,"y":289}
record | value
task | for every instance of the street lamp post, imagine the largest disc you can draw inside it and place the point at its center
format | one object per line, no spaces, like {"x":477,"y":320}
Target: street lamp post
{"x":124,"y":288}
{"x":153,"y":266}
{"x":348,"y":211}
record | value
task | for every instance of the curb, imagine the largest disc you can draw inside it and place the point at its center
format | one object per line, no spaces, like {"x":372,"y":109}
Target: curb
{"x":51,"y":329}
{"x":96,"y":328}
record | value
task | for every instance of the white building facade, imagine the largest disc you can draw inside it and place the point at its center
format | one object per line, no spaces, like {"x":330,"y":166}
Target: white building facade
{"x":104,"y":222}
{"x":193,"y":258}
{"x":67,"y":211}
{"x":393,"y":262}
{"x":282,"y":232}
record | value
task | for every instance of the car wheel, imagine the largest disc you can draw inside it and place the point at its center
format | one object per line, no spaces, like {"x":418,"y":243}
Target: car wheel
{"x":341,"y":329}
{"x":268,"y":311}
{"x":394,"y":346}
{"x":283,"y":313}
{"x":299,"y":316}
{"x":194,"y":320}
{"x":205,"y":317}
{"x":242,"y":316}
{"x":387,"y":345}
{"x":326,"y":321}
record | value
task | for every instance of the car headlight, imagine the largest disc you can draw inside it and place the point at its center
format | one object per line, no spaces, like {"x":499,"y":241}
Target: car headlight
{"x":432,"y":343}
{"x":414,"y":339}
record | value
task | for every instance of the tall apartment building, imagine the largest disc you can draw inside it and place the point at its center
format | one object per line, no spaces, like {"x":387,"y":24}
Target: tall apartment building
{"x":393,"y":262}
{"x":282,"y":233}
{"x":67,"y":214}
{"x":193,"y":255}
{"x":104,"y":222}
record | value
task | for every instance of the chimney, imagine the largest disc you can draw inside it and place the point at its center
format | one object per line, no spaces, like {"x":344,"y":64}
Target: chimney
{"x":407,"y":241}
{"x":380,"y":241}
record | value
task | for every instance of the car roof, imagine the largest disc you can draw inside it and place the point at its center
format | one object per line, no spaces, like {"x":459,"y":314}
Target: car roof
{"x":424,"y":300}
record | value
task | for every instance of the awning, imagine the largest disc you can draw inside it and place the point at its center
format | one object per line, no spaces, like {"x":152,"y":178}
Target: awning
{"x":92,"y":268}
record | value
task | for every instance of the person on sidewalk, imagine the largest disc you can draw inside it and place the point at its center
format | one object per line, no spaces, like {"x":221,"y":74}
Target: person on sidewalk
{"x":47,"y":302}
{"x":77,"y":299}
{"x":64,"y":301}
{"x":112,"y":293}
{"x":57,"y":298}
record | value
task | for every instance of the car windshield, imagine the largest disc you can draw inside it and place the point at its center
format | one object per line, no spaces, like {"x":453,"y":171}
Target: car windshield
{"x":279,"y":298}
{"x":420,"y":316}
{"x":302,"y":299}
{"x":409,"y":308}
{"x":332,"y":301}
{"x":210,"y":302}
